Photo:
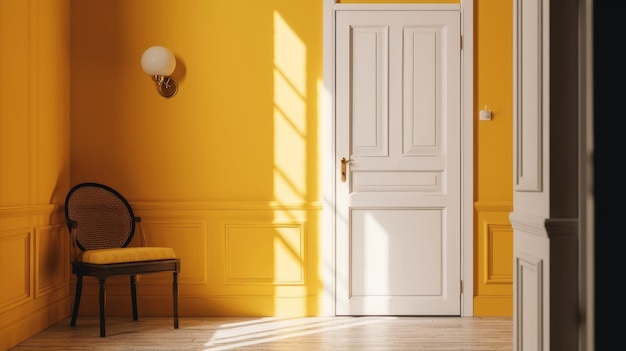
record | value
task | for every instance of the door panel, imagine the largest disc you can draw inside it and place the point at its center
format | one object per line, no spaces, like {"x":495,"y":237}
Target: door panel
{"x":398,"y":126}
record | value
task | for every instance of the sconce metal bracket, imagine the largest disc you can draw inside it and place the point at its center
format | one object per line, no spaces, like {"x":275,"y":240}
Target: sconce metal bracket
{"x":166,"y":85}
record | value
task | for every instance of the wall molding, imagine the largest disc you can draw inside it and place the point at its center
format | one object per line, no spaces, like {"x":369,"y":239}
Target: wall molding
{"x":33,"y":210}
{"x":224,"y":205}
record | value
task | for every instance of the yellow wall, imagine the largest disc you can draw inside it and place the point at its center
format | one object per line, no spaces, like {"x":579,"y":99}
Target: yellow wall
{"x":227,"y":172}
{"x":34,"y":166}
{"x":493,"y":160}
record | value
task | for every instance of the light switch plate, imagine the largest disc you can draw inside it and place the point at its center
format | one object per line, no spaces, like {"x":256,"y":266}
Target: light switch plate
{"x":485,"y":115}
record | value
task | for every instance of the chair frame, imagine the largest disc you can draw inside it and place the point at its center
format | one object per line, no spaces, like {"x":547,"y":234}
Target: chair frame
{"x":103,"y":271}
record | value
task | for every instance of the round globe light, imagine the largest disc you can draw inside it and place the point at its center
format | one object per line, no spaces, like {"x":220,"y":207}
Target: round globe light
{"x":158,"y":61}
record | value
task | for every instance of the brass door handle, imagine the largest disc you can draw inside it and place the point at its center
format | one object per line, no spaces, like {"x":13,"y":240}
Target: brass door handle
{"x":344,"y":162}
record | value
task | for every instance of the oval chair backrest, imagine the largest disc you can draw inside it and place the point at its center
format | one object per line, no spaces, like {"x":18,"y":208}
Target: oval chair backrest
{"x":99,"y":217}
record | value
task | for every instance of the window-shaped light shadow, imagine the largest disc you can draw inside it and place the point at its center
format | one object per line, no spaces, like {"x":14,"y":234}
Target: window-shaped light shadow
{"x":290,"y":99}
{"x":309,"y":330}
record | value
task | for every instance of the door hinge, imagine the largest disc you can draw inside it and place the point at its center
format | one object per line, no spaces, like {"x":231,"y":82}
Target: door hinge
{"x":461,"y":286}
{"x":461,"y":42}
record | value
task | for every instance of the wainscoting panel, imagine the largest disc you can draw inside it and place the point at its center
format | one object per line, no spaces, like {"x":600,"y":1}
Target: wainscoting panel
{"x":34,"y":250}
{"x":494,"y":260}
{"x":188,"y":238}
{"x":264,"y":253}
{"x":15,"y":253}
{"x":52,"y":258}
{"x":237,"y":259}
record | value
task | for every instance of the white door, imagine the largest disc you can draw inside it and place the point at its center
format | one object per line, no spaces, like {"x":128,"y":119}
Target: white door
{"x":398,"y":127}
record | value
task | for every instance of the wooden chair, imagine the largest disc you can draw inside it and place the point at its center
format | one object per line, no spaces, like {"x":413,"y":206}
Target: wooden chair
{"x":102,"y":224}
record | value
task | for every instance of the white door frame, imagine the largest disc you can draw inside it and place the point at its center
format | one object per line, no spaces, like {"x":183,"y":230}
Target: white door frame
{"x":327,"y":234}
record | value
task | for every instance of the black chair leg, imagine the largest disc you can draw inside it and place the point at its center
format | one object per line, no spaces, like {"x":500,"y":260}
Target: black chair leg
{"x":175,"y":293}
{"x":102,"y":299}
{"x":133,"y":294}
{"x":79,"y":290}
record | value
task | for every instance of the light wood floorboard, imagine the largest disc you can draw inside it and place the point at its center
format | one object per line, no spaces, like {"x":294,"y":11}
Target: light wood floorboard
{"x":279,"y":334}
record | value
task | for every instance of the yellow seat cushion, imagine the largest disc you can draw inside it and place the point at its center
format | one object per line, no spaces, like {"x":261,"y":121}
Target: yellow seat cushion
{"x":127,"y":254}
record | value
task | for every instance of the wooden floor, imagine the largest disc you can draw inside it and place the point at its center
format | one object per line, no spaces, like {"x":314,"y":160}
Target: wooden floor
{"x":283,"y":334}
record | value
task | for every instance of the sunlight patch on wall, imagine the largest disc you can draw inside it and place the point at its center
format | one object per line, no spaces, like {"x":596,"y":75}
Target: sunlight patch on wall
{"x":265,"y":254}
{"x":289,"y":113}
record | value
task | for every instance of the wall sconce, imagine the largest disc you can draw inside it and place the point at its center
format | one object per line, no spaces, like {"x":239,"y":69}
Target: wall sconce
{"x":159,"y":62}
